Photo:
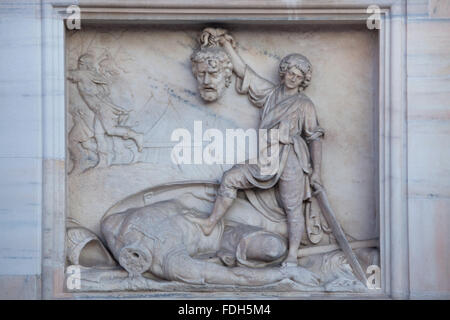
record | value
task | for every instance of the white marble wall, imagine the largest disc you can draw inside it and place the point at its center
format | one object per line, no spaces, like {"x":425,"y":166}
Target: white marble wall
{"x":428,"y":58}
{"x":428,"y":67}
{"x":20,"y":148}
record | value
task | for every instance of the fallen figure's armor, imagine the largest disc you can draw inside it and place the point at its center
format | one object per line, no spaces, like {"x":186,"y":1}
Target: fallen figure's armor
{"x":160,"y":248}
{"x":161,"y":239}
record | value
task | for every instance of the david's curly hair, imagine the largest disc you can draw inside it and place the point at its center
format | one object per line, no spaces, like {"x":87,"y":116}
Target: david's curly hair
{"x":300,"y":62}
{"x":217,"y":54}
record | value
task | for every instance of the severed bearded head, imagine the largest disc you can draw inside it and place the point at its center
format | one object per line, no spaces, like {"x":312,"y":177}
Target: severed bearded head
{"x":213,"y":70}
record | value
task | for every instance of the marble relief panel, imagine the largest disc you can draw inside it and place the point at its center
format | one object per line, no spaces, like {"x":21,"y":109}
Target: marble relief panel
{"x":131,"y":88}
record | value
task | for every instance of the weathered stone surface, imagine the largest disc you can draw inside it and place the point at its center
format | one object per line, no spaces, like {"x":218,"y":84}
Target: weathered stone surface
{"x":342,"y":92}
{"x":129,"y":73}
{"x":32,"y":139}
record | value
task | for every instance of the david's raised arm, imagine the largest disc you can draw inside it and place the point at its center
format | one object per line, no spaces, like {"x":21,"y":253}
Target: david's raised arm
{"x":238,"y":64}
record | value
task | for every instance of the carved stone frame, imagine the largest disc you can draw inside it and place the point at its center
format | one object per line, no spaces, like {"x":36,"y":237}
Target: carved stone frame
{"x":392,"y":138}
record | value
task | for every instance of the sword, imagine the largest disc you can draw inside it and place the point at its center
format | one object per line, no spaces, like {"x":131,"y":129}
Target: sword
{"x":330,"y":217}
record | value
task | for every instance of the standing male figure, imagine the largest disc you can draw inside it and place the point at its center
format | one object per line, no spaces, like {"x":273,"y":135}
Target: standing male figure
{"x":286,"y":108}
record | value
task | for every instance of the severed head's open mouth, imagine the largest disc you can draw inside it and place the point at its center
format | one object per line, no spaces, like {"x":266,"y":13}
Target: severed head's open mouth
{"x":209,"y":89}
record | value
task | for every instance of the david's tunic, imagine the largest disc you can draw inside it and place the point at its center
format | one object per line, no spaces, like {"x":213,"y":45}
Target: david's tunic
{"x":295,"y":118}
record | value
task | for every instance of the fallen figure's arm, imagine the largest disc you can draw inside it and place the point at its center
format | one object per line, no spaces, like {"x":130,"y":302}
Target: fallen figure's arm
{"x":182,"y":267}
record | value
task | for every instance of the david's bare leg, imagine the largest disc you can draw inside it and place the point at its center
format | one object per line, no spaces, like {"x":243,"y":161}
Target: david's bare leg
{"x":232,"y":181}
{"x":292,"y":189}
{"x":221,"y":206}
{"x":296,"y":227}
